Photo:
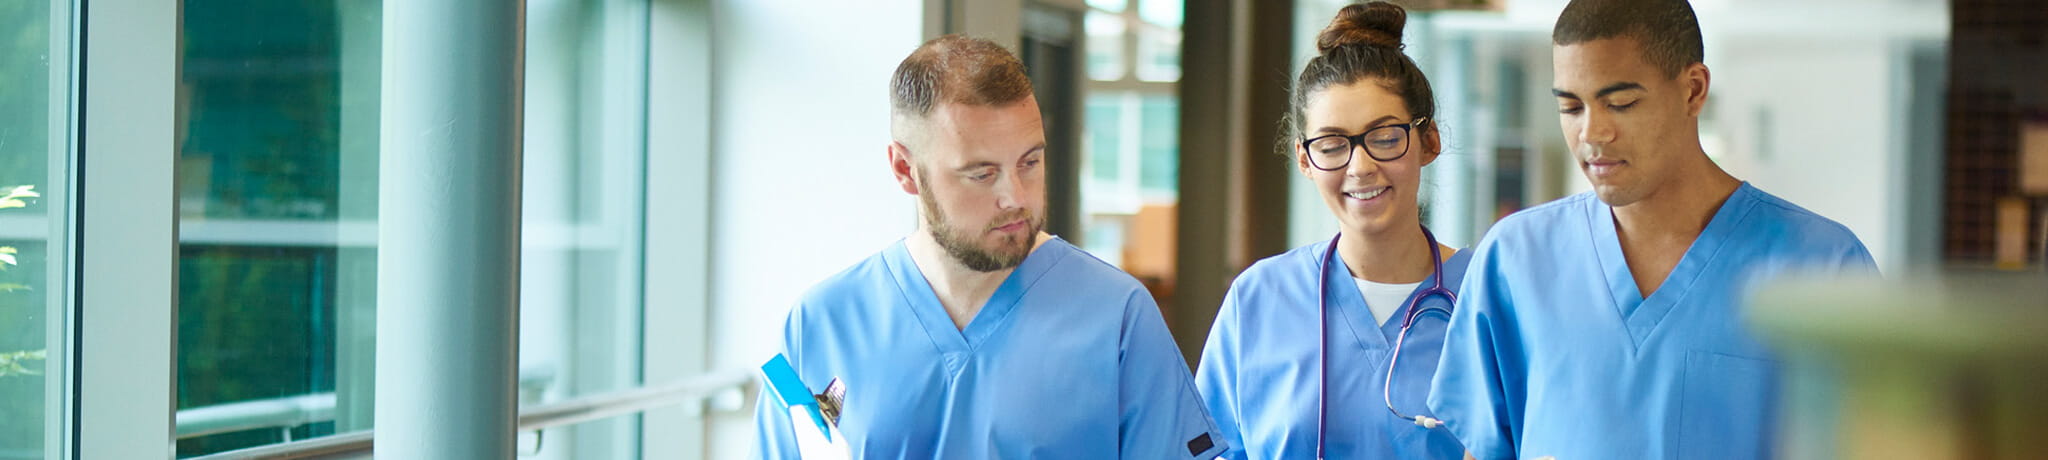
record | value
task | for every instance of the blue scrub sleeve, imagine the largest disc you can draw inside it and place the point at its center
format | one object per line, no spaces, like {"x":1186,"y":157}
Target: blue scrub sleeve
{"x":1216,"y":378}
{"x":1478,"y":389}
{"x":773,"y":438}
{"x":1858,"y":260}
{"x":1162,"y":415}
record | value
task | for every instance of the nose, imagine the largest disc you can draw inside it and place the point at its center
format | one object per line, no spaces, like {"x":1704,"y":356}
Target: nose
{"x":1362,"y":163}
{"x":1009,"y":187}
{"x":1597,"y":129}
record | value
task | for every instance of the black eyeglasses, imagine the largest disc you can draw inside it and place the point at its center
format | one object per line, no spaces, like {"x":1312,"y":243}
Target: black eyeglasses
{"x":1386,"y":143}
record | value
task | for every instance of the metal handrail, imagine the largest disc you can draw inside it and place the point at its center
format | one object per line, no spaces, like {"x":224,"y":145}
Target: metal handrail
{"x":292,"y":411}
{"x":352,"y":444}
{"x":723,"y":388}
{"x":578,"y":410}
{"x":249,"y":415}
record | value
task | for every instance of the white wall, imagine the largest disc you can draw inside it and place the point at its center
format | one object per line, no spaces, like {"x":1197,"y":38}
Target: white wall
{"x":800,"y":184}
{"x":1810,"y":121}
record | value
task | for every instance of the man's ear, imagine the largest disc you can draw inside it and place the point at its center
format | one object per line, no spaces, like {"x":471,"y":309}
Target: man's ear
{"x":900,"y":166}
{"x":1697,"y":80}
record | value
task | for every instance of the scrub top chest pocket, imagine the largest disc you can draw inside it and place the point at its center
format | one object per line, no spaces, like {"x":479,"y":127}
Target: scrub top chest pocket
{"x":1725,"y":400}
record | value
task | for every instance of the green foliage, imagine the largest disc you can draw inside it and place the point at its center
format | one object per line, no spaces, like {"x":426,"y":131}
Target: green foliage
{"x":10,"y":362}
{"x":14,"y":363}
{"x":11,"y":197}
{"x":25,"y":122}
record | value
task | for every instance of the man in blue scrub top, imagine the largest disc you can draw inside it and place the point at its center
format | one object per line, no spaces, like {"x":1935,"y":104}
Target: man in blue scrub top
{"x":1608,"y":325}
{"x":979,"y":336}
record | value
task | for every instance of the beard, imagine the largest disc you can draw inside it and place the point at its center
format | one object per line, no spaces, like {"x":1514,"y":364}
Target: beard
{"x":963,"y":244}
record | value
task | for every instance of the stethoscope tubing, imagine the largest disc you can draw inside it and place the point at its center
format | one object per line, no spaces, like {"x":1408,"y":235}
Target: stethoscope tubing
{"x":1412,"y":310}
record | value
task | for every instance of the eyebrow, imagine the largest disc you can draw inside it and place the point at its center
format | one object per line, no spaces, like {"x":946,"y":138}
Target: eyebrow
{"x":1368,"y":126}
{"x":1610,"y":89}
{"x":975,"y":165}
{"x":989,"y":164}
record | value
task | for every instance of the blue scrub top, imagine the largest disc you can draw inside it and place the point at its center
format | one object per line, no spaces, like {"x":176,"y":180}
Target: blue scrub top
{"x":1552,"y":350}
{"x":1261,"y":370}
{"x":1068,"y":359}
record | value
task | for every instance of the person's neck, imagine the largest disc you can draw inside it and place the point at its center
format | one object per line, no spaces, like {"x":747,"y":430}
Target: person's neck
{"x":961,"y":290}
{"x":1656,"y":231}
{"x":1396,"y":255}
{"x":1678,"y":210}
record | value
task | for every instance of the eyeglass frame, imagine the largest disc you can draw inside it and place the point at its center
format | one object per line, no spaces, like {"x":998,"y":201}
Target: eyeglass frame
{"x":1357,"y":141}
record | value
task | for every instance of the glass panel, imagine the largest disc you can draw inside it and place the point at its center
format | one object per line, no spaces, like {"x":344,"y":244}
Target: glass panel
{"x":1101,"y":140}
{"x":277,"y":194}
{"x":1159,"y":54}
{"x":1159,"y":147}
{"x":278,"y":167}
{"x":1105,"y":46}
{"x":35,"y":167}
{"x":1164,"y":13}
{"x":580,"y":265}
{"x":1107,"y":5}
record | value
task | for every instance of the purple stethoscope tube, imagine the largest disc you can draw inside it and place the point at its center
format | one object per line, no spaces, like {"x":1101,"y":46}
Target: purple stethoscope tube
{"x":1414,"y":309}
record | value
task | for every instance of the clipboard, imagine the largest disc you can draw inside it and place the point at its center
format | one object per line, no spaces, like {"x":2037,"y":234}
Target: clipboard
{"x":789,"y":389}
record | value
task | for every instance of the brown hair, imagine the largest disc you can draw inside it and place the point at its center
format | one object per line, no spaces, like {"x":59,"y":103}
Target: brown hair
{"x":1362,"y":42}
{"x":956,"y":69}
{"x":1667,"y":29}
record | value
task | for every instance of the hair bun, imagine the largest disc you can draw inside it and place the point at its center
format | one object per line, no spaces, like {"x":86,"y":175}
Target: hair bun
{"x":1369,"y":24}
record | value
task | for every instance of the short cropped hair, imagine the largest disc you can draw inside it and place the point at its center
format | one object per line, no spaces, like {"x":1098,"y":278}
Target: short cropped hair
{"x":1667,"y":29}
{"x":955,"y":69}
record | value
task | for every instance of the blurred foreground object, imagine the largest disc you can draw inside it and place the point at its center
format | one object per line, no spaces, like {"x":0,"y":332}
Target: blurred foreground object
{"x":1929,"y":367}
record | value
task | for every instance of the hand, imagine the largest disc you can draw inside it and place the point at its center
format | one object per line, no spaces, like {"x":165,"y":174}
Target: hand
{"x":810,"y":441}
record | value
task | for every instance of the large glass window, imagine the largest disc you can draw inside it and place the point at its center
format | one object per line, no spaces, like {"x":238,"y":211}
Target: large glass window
{"x":1129,"y":186}
{"x":35,"y":167}
{"x":581,"y":263}
{"x":277,"y":169}
{"x":277,"y":203}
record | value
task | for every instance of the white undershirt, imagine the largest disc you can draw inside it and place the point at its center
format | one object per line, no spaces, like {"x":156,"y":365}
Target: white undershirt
{"x":1384,"y":299}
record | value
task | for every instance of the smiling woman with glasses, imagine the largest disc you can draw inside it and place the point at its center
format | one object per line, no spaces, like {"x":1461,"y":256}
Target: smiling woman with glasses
{"x":1378,"y":293}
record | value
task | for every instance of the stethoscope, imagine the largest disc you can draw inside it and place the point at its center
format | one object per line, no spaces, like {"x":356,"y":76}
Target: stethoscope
{"x":1414,"y":309}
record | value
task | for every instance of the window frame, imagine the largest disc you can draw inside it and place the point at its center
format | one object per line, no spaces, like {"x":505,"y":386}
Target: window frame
{"x":126,"y":237}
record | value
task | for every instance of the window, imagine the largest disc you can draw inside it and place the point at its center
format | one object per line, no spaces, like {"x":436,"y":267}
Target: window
{"x":35,"y":229}
{"x":277,"y":165}
{"x":1131,"y":135}
{"x":581,"y":261}
{"x":277,"y":168}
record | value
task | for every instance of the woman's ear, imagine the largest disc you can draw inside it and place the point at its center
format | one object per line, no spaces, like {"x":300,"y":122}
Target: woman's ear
{"x":1432,"y":143}
{"x":1301,"y":161}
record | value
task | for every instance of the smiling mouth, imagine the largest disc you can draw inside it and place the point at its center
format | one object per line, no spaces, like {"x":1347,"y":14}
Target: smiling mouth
{"x":1367,"y":195}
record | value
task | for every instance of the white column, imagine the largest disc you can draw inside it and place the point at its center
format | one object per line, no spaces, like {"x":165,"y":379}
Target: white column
{"x":448,"y":230}
{"x":678,"y":220}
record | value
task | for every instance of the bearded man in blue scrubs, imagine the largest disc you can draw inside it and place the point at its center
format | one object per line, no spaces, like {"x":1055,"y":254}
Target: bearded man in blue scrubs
{"x":1608,"y":324}
{"x":978,"y":335}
